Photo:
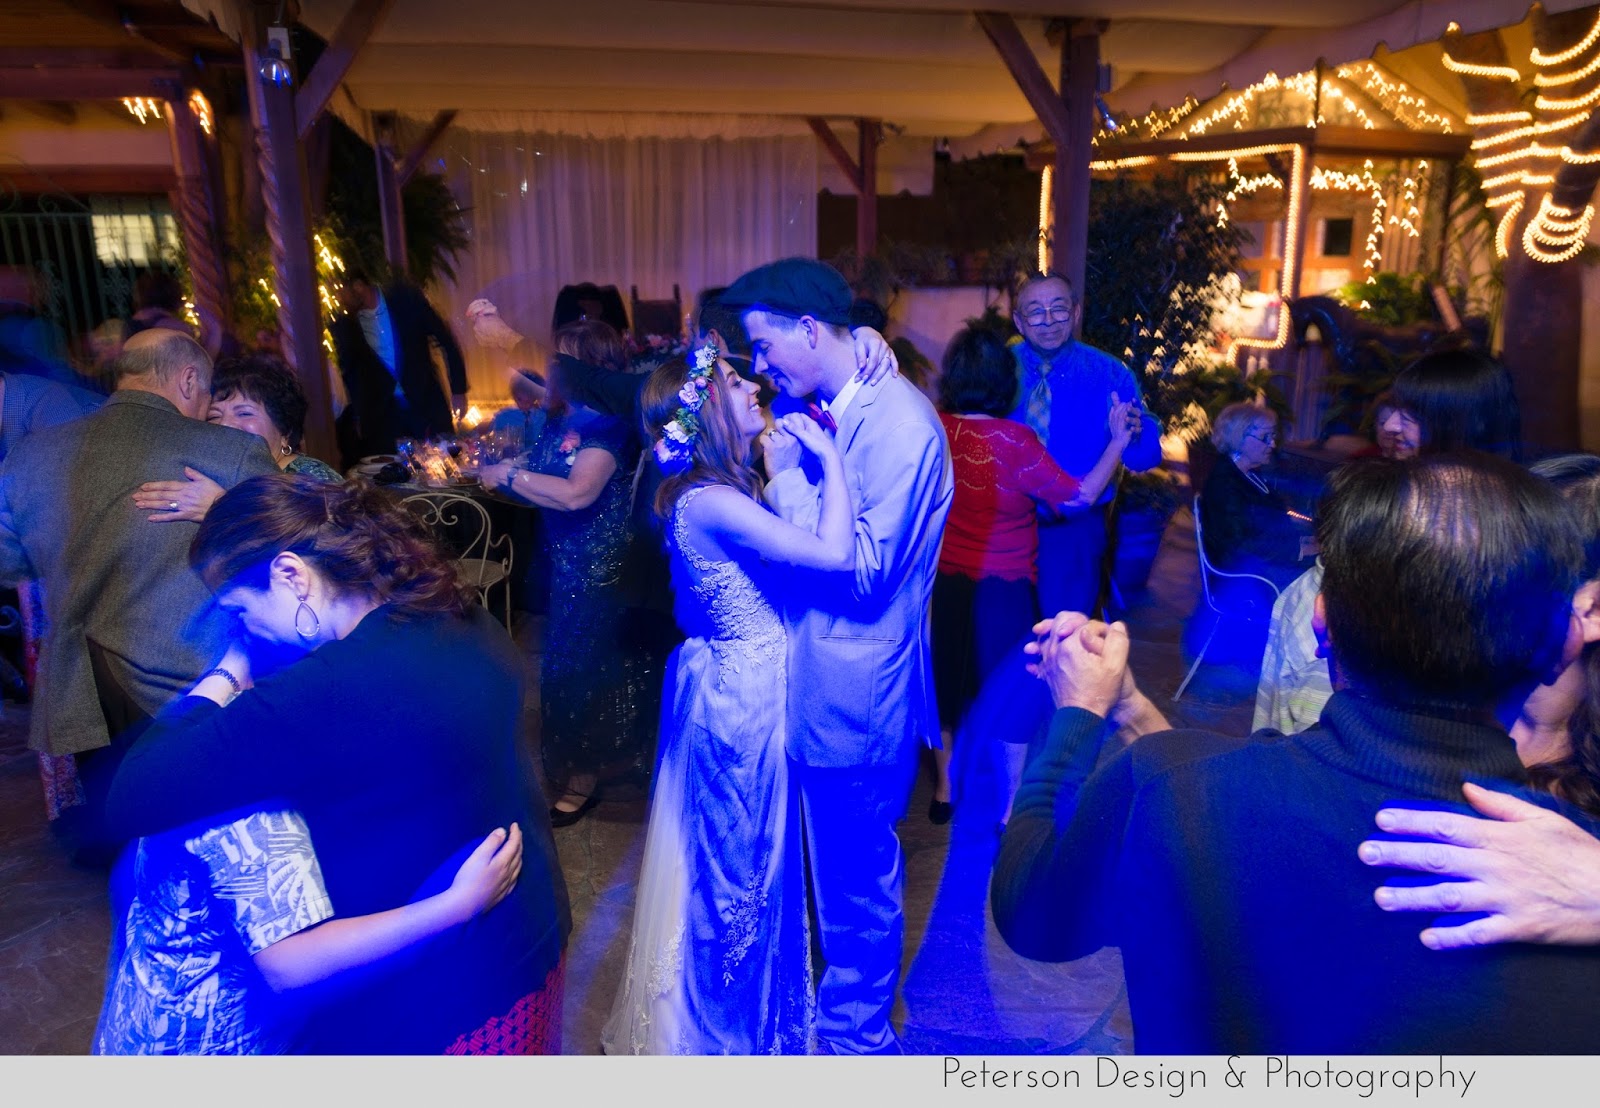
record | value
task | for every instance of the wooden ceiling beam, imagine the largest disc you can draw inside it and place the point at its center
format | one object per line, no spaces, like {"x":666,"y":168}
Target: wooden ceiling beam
{"x":835,"y":148}
{"x":1014,"y":50}
{"x":430,"y":138}
{"x":318,"y":87}
{"x":20,"y":83}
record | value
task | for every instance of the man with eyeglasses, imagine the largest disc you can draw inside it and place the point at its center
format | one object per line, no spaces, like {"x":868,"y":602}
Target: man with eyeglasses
{"x":1067,"y":389}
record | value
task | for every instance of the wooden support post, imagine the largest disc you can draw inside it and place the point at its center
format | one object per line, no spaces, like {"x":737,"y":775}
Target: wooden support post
{"x":390,"y":204}
{"x":283,"y":189}
{"x":198,"y":217}
{"x":322,"y":82}
{"x":1080,"y":75}
{"x":869,"y":134}
{"x":861,"y":171}
{"x":430,"y":138}
{"x":1297,"y":221}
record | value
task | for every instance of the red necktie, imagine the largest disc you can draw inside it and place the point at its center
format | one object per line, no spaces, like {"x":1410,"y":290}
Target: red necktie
{"x":823,"y":417}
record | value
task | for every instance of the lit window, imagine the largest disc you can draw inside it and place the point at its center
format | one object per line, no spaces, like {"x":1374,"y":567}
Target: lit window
{"x":135,"y":231}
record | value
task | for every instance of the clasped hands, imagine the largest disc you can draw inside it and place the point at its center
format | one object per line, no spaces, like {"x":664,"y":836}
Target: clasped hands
{"x":789,"y":436}
{"x":1083,"y":661}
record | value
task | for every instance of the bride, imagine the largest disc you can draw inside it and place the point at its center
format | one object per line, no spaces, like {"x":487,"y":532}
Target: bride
{"x":719,"y":961}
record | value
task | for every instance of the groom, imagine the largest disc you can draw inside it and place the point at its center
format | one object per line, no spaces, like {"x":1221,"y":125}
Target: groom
{"x":860,"y":679}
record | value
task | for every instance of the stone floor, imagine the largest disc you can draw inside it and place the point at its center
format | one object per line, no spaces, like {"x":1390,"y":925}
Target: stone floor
{"x":963,"y":991}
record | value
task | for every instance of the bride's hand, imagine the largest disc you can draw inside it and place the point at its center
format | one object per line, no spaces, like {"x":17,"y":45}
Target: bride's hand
{"x":810,"y":435}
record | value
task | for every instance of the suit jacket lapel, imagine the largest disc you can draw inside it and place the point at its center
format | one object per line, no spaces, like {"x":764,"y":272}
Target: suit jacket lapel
{"x":854,"y":414}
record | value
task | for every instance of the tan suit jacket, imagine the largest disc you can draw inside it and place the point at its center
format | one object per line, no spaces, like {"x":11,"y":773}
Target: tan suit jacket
{"x":115,"y":585}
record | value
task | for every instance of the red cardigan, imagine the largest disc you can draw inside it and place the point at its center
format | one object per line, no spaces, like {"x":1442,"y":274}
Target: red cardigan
{"x":1002,"y":472}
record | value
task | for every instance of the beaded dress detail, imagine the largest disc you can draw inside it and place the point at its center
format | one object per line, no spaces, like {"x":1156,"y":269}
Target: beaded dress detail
{"x":719,"y":961}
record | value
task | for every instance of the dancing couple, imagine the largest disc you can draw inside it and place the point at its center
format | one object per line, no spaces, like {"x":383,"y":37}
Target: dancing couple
{"x":798,"y":703}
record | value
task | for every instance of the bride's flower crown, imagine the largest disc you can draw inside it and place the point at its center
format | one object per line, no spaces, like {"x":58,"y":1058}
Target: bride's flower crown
{"x":675,"y":448}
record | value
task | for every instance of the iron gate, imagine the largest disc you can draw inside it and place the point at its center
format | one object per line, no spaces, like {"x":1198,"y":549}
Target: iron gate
{"x":86,"y":254}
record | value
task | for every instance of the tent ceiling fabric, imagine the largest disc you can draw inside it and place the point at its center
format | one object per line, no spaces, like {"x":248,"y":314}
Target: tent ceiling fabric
{"x":923,"y":65}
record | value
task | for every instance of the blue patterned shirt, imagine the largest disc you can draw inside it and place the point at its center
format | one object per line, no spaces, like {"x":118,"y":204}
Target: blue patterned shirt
{"x":1082,"y":380}
{"x":203,"y":906}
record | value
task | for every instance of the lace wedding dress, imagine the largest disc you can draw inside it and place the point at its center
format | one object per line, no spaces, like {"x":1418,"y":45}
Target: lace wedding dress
{"x":719,"y":961}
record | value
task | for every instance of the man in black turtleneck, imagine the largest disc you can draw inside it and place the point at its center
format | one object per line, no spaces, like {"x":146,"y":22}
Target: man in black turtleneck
{"x":1226,"y":869}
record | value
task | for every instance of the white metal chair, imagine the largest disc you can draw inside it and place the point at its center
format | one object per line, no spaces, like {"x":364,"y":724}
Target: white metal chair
{"x":462,"y":524}
{"x":1208,"y":572}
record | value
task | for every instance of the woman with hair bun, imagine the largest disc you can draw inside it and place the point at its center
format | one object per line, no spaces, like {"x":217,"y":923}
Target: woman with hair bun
{"x":397,"y":737}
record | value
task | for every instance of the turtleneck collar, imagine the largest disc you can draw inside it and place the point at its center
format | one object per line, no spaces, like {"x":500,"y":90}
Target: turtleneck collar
{"x":1421,"y":752}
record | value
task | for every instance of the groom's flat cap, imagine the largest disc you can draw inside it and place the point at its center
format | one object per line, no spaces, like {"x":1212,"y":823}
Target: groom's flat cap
{"x":793,"y":287}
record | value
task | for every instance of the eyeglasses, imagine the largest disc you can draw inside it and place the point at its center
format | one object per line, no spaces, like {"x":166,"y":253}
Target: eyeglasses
{"x":1055,"y":314}
{"x":1270,"y":438}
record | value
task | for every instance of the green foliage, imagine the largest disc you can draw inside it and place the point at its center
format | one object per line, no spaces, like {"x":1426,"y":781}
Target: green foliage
{"x":1473,"y":272}
{"x":1158,"y":262}
{"x":994,"y":319}
{"x":1196,"y":397}
{"x":1156,"y":491}
{"x":1390,"y":299}
{"x":436,"y":228}
{"x":1352,"y":393}
{"x":254,"y":306}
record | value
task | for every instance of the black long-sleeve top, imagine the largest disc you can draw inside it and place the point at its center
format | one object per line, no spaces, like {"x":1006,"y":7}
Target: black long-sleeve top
{"x":1226,"y":870}
{"x":401,"y":746}
{"x":1247,"y":529}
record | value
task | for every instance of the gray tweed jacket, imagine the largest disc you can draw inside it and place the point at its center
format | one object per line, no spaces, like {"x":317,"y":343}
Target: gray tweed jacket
{"x":117,"y":587}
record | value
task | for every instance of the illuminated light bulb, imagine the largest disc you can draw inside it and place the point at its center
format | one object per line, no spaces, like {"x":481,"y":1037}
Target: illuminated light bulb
{"x":1503,"y":137}
{"x":1556,"y":234}
{"x":1571,"y":156}
{"x":1046,"y":180}
{"x":1488,"y":72}
{"x":1538,"y":57}
{"x":1549,"y":104}
{"x":1553,"y":80}
{"x":1286,"y":274}
{"x":1492,"y":183}
{"x":1242,"y":152}
{"x":1560,"y":124}
{"x":200,"y":107}
{"x":1502,"y":234}
{"x":1508,"y":156}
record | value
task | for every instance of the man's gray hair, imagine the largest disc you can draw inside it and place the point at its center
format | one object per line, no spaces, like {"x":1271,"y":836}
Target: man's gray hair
{"x":162,"y":360}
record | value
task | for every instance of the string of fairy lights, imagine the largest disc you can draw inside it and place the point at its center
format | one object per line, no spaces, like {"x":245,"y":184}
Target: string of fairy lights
{"x":1516,"y":151}
{"x":1361,"y":94}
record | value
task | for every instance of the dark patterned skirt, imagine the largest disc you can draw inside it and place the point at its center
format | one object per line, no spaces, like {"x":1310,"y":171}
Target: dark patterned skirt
{"x":532,"y":1026}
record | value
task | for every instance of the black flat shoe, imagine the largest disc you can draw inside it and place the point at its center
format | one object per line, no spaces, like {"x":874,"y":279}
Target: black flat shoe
{"x":560,"y":818}
{"x":940,"y":811}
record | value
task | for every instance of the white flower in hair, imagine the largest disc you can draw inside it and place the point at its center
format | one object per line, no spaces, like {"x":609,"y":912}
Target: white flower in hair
{"x":675,"y":431}
{"x":689,"y":395}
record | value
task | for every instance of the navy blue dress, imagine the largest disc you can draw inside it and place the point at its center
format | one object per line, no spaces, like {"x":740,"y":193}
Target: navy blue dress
{"x":591,"y":681}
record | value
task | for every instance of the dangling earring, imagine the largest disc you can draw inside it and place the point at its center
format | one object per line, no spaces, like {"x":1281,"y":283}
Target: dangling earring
{"x":316,"y":624}
{"x":287,"y":451}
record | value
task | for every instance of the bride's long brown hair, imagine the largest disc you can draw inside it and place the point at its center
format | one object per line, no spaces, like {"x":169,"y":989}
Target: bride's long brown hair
{"x":721,"y":452}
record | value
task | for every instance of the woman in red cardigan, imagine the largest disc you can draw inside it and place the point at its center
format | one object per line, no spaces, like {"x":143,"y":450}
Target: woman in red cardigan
{"x":985,"y":601}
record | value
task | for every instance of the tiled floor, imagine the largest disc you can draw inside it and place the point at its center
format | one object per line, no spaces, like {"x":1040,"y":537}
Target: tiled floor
{"x":963,"y":991}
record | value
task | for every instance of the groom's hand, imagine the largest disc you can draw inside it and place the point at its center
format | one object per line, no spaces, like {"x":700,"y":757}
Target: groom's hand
{"x":781,"y":450}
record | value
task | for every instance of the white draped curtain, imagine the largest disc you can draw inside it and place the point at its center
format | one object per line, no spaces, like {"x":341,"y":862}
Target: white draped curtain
{"x":690,"y":207}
